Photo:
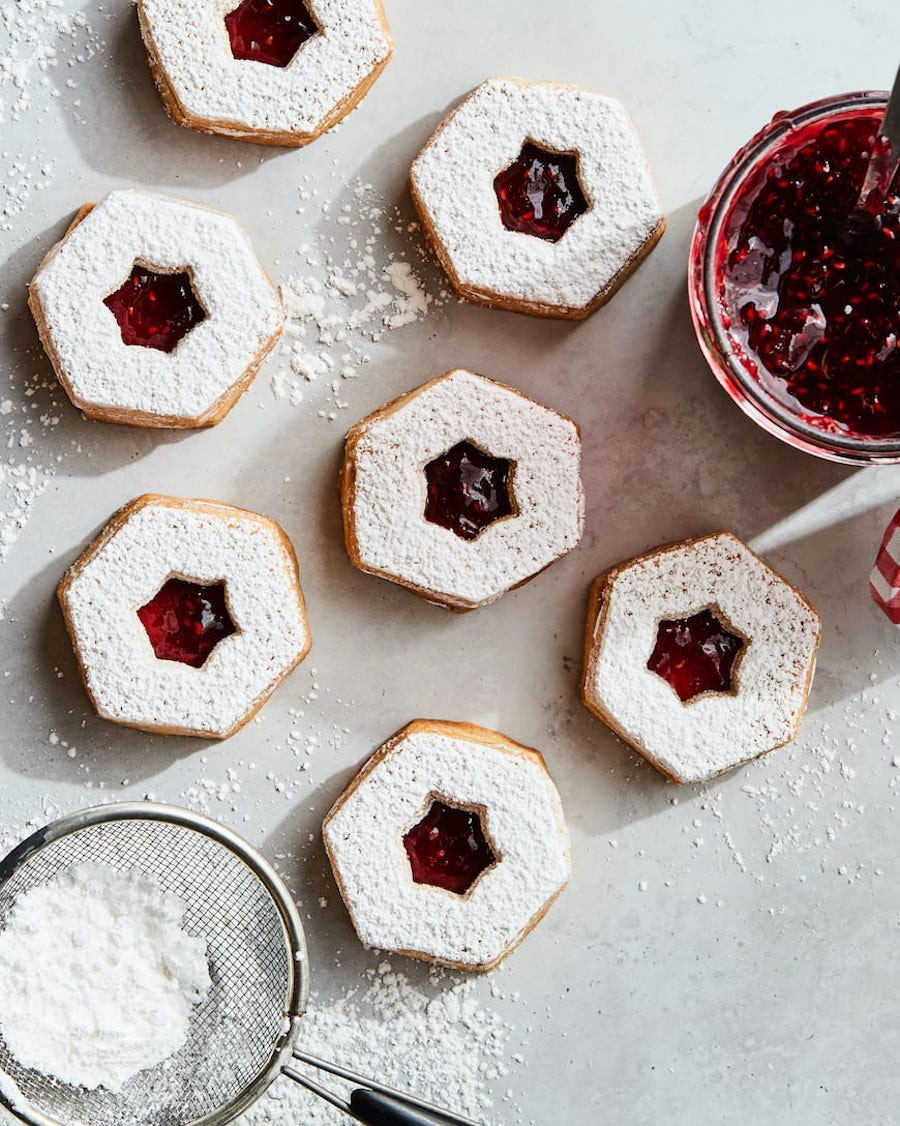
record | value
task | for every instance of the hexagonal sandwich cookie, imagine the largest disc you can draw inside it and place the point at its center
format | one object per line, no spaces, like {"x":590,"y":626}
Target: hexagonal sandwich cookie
{"x":537,"y":197}
{"x":277,"y":72}
{"x":449,"y":845}
{"x":699,"y":655}
{"x":154,"y":312}
{"x":185,"y":615}
{"x":461,"y":490}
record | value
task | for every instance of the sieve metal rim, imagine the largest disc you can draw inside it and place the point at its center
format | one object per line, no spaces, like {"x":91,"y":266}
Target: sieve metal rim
{"x":295,"y":937}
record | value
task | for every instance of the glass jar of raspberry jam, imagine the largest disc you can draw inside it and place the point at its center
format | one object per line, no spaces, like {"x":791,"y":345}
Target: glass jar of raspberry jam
{"x":796,"y":308}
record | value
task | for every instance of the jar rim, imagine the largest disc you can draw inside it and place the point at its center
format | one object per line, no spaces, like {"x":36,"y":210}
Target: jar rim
{"x":749,"y":393}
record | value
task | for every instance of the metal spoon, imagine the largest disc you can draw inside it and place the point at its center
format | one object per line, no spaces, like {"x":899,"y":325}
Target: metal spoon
{"x":885,"y":157}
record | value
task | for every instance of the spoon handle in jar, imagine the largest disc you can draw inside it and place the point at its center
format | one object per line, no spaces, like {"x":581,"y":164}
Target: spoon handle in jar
{"x":884,"y":159}
{"x":890,"y":127}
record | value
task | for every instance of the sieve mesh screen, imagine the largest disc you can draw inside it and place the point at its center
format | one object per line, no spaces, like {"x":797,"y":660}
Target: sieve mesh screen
{"x":235,"y":1031}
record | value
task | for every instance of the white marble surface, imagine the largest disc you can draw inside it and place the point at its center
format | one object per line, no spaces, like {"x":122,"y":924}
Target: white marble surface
{"x":724,"y":955}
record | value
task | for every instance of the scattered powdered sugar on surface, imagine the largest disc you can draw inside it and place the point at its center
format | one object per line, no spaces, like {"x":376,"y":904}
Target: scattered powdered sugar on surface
{"x":25,"y":470}
{"x":98,"y":978}
{"x":348,"y":294}
{"x":797,"y":816}
{"x":26,"y":174}
{"x":26,"y":466}
{"x":440,"y":1043}
{"x":41,"y":41}
{"x":309,"y":735}
{"x":21,"y":484}
{"x":31,"y":31}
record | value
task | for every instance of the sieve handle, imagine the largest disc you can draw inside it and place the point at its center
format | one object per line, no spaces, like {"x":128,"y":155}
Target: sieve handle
{"x":375,"y":1109}
{"x":371,"y":1102}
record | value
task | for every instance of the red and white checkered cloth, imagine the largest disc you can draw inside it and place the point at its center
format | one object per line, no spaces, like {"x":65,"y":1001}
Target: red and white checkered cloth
{"x":885,"y":581}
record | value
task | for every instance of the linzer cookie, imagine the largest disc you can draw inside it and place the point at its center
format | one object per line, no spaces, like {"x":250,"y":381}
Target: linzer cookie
{"x":277,"y":72}
{"x":884,"y":583}
{"x":699,"y":655}
{"x":449,"y":845}
{"x":185,"y":615}
{"x":461,"y":490}
{"x":537,"y":197}
{"x":154,"y":312}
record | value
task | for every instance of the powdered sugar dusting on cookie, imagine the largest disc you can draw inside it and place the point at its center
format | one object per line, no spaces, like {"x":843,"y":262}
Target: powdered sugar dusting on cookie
{"x":386,"y":500}
{"x":243,"y":312}
{"x":714,"y":732}
{"x":162,"y":537}
{"x":188,"y":42}
{"x":522,"y":818}
{"x":453,"y":183}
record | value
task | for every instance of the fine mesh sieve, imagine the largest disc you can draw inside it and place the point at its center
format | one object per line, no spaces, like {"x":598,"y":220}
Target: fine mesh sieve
{"x":243,"y":1035}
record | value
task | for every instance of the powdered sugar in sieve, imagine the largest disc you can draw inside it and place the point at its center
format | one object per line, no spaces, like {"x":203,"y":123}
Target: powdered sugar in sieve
{"x":242,"y":1034}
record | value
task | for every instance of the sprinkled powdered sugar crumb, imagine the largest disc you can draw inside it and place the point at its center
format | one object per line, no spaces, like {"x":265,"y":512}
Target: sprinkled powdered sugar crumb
{"x":347,"y":297}
{"x":308,"y":736}
{"x":97,"y":948}
{"x":444,"y":1046}
{"x":27,"y":174}
{"x":29,"y":37}
{"x":28,"y":50}
{"x":20,"y":486}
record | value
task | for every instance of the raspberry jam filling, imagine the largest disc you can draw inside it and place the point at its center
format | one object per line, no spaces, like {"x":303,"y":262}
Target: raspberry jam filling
{"x":695,"y":654}
{"x":811,"y":296}
{"x":539,"y":193}
{"x":269,"y":31}
{"x":155,"y":310}
{"x":185,"y":621}
{"x":468,"y":490}
{"x":448,"y":848}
